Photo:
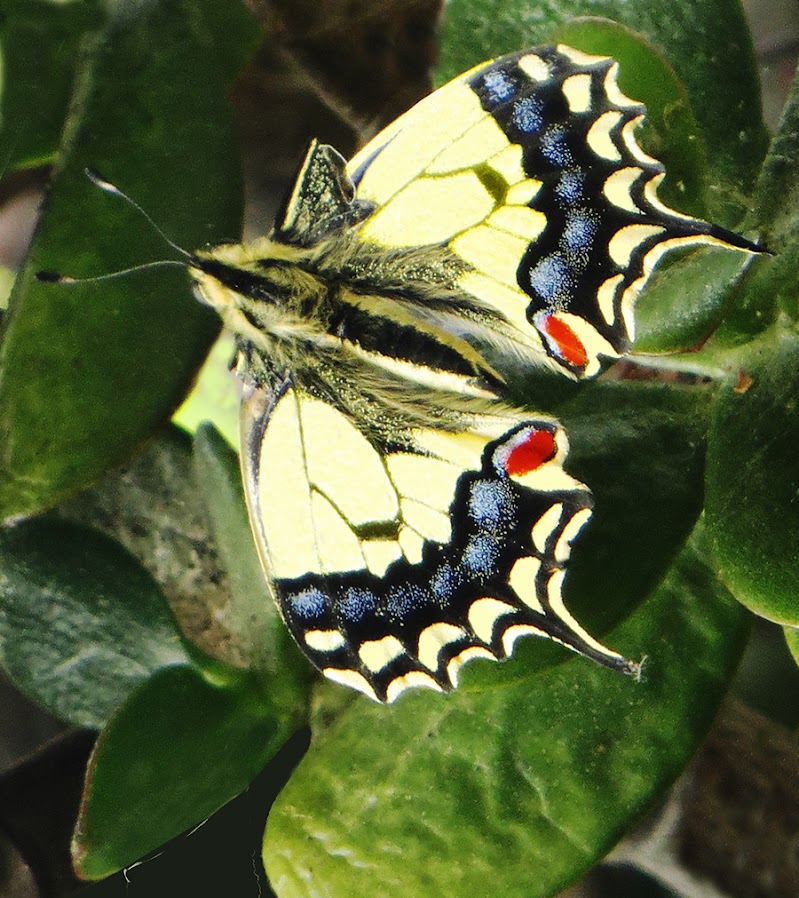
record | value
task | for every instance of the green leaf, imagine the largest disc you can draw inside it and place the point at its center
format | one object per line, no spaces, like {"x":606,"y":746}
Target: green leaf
{"x":253,"y":616}
{"x":687,"y":299}
{"x":752,"y":485}
{"x":39,"y":45}
{"x":640,"y":447}
{"x":219,"y":857}
{"x":776,"y":217}
{"x":180,"y":748}
{"x":216,"y":394}
{"x":707,"y":43}
{"x":89,"y":370}
{"x":81,"y":622}
{"x":792,"y":639}
{"x":7,"y":278}
{"x":776,"y":211}
{"x":522,"y":787}
{"x":754,"y":304}
{"x":670,"y":132}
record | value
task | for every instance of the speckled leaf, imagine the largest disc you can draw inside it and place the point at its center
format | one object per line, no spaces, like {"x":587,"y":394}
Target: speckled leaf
{"x":707,"y":43}
{"x":777,"y":199}
{"x":687,"y":299}
{"x":253,"y":616}
{"x":752,"y":485}
{"x":522,"y":788}
{"x":89,"y":370}
{"x":81,"y":622}
{"x":776,"y":217}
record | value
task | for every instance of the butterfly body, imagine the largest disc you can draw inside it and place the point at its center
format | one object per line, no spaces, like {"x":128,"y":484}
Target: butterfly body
{"x":407,"y":518}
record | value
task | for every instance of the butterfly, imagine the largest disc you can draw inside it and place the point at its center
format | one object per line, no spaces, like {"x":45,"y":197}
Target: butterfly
{"x":407,"y":517}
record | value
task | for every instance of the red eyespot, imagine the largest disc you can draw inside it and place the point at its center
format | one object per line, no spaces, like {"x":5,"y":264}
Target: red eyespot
{"x":564,"y":340}
{"x":533,"y":452}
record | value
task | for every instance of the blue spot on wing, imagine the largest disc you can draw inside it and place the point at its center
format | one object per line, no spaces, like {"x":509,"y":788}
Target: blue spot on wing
{"x":570,"y":187}
{"x":553,"y":279}
{"x":444,"y":581}
{"x":308,"y":605}
{"x":480,"y":555}
{"x":580,"y":229}
{"x":488,"y":505}
{"x":356,"y":604}
{"x":405,"y":598}
{"x":554,"y":147}
{"x":498,"y":86}
{"x":528,"y":115}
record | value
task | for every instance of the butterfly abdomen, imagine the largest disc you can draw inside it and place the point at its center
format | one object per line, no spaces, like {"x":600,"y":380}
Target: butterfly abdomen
{"x":377,"y":320}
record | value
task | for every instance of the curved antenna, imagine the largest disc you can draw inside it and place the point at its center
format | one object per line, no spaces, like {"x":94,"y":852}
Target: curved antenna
{"x":53,"y":277}
{"x":108,"y":187}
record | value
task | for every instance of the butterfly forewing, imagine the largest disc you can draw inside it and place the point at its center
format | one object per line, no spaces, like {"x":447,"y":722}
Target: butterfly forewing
{"x":527,"y":168}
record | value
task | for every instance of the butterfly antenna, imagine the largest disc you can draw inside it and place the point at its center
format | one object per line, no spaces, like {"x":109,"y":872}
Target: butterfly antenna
{"x":108,"y":187}
{"x":53,"y":277}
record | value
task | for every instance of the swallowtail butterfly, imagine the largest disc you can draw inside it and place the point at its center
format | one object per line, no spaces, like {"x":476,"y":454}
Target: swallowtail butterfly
{"x":408,"y":519}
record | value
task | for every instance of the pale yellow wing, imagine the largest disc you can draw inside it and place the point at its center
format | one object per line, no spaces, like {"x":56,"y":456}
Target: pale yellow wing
{"x":527,"y":169}
{"x":395,"y":565}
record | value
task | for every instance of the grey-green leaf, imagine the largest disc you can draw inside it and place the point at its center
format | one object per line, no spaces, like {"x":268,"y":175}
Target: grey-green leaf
{"x":81,"y":622}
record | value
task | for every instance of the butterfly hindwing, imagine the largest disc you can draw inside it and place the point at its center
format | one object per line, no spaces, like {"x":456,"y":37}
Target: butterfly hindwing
{"x":393,"y":566}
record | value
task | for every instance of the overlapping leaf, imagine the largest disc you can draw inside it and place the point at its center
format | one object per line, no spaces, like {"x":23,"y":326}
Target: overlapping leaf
{"x":81,"y":623}
{"x":89,"y":370}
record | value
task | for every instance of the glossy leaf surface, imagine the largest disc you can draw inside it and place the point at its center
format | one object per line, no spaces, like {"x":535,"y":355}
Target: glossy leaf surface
{"x":753,"y":478}
{"x":89,"y":370}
